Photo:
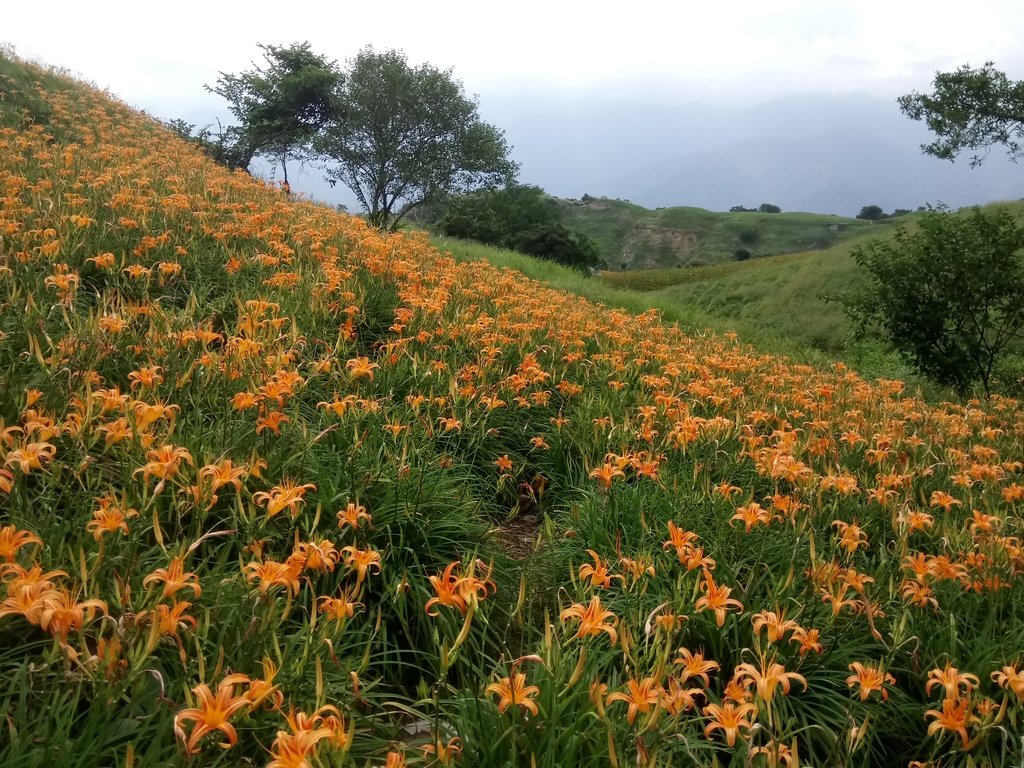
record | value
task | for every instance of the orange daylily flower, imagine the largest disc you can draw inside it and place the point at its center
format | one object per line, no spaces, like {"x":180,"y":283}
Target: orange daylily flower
{"x":61,"y":612}
{"x":12,"y":539}
{"x":338,"y":608}
{"x":6,"y":481}
{"x":592,"y":618}
{"x":716,"y":598}
{"x":109,"y":518}
{"x":271,"y":422}
{"x":682,"y":541}
{"x":174,"y":578}
{"x":315,"y":556}
{"x":352,"y":514}
{"x":224,"y":472}
{"x":606,"y":473}
{"x":597,"y":573}
{"x":808,"y":639}
{"x":851,"y":537}
{"x":446,"y":589}
{"x":361,"y":561}
{"x":695,"y":666}
{"x":361,"y":366}
{"x":641,"y":696}
{"x":164,"y":463}
{"x":263,"y":690}
{"x":273,"y":574}
{"x":212,"y":713}
{"x":288,"y":495}
{"x":169,"y":619}
{"x":730,"y":718}
{"x":1012,"y":679}
{"x":954,"y":717}
{"x":676,"y":699}
{"x":869,"y":679}
{"x":944,"y":500}
{"x":751,"y":515}
{"x":513,"y":691}
{"x":443,"y":753}
{"x":776,"y":624}
{"x":951,"y":679}
{"x":767,"y":677}
{"x":31,"y":456}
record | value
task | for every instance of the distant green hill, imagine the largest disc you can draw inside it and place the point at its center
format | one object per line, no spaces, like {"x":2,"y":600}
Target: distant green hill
{"x":640,"y":238}
{"x":780,"y":297}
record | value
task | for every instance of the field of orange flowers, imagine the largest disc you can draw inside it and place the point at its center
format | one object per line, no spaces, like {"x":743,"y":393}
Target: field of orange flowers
{"x":278,"y":490}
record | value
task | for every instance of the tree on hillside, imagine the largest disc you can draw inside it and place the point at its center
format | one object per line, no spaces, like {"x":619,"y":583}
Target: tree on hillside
{"x":281,"y":106}
{"x":404,"y":135}
{"x":521,"y":218}
{"x":948,"y":295}
{"x":970,"y":109}
{"x":871,"y":213}
{"x":768,"y":208}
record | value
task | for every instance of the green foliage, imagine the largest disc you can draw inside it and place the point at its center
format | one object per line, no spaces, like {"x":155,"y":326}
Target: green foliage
{"x":223,"y":146}
{"x":742,"y":254}
{"x":748,"y":236}
{"x":405,"y":135}
{"x":768,"y":208}
{"x":948,"y":296}
{"x":281,"y":107}
{"x":970,"y":109}
{"x":871,"y":213}
{"x":520,"y":218}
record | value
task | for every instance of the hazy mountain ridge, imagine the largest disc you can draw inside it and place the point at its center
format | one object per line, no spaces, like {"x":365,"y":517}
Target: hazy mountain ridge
{"x":817,"y":153}
{"x":823,"y":154}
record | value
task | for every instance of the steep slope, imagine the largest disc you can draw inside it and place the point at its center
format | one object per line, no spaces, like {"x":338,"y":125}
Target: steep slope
{"x":259,"y":466}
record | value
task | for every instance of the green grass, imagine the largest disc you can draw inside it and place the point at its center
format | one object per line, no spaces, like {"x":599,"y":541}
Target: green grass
{"x":685,"y":236}
{"x":782,"y":302}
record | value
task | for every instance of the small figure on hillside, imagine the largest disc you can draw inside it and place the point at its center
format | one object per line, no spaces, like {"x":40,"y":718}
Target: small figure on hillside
{"x":286,"y":188}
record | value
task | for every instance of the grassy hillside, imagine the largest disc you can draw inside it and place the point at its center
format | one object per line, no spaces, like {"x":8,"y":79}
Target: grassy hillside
{"x":277,"y":489}
{"x":780,"y":297}
{"x":672,"y":237}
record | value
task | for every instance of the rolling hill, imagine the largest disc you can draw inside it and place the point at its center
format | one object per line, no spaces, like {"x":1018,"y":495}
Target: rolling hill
{"x":633,"y":237}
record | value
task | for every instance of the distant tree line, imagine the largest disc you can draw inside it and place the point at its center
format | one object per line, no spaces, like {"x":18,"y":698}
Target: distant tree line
{"x":762,"y":208}
{"x":875,"y":213}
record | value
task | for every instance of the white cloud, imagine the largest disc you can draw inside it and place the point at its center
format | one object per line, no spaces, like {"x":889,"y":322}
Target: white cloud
{"x":158,"y":56}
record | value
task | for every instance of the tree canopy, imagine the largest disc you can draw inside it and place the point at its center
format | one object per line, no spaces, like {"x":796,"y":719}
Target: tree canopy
{"x":871,"y":213}
{"x":970,"y":110}
{"x":521,"y":218}
{"x":281,"y":106}
{"x":403,"y":135}
{"x":948,"y":295}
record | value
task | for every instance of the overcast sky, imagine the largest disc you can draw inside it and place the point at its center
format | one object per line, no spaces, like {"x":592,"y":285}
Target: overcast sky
{"x":157,"y":56}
